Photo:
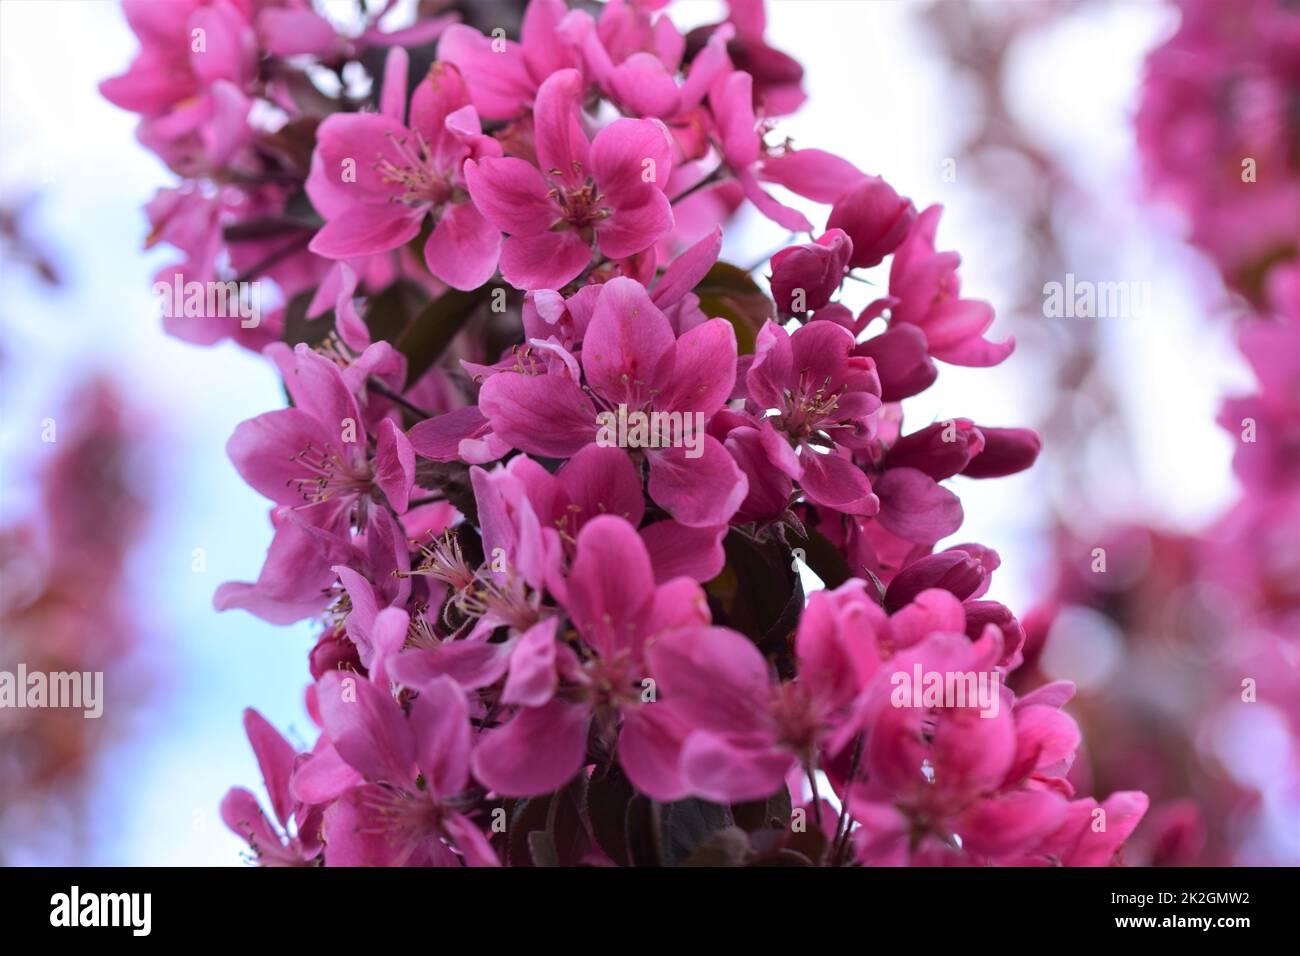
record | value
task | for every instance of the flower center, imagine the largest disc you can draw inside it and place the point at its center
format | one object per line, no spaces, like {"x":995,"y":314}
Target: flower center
{"x":580,"y":206}
{"x":413,"y":173}
{"x":327,"y":475}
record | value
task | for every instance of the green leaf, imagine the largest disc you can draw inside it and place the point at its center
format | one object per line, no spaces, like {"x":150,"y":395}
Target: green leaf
{"x":772,"y":813}
{"x":759,"y":594}
{"x":729,"y":847}
{"x":433,"y":329}
{"x":643,"y":838}
{"x":299,"y":328}
{"x":389,"y":313}
{"x":608,"y":794}
{"x":728,"y":292}
{"x":686,"y":824}
{"x":823,"y":557}
{"x":566,"y":830}
{"x":529,"y":817}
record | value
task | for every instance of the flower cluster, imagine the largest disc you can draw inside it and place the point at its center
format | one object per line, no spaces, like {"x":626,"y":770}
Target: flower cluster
{"x":1217,"y":133}
{"x":552,"y":468}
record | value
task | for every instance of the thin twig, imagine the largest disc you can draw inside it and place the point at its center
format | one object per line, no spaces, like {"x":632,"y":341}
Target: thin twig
{"x":379,"y":388}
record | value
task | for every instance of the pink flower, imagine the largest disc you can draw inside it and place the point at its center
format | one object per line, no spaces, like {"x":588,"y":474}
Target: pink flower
{"x":812,"y":173}
{"x":928,"y":291}
{"x":818,"y":401}
{"x":805,"y":277}
{"x":631,"y":357}
{"x":960,"y":782}
{"x":875,"y":218}
{"x":608,"y":192}
{"x":375,"y":179}
{"x":315,"y":454}
{"x":618,"y":611}
{"x":189,"y":80}
{"x":271,"y":845}
{"x":635,"y":60}
{"x":604,"y":481}
{"x":391,"y":780}
{"x":504,"y":75}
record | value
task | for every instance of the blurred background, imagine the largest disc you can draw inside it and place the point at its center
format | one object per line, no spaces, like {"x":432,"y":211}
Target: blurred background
{"x":1017,"y":116}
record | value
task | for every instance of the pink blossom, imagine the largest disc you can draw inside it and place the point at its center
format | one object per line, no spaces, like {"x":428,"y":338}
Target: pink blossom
{"x":928,"y":291}
{"x":391,"y":780}
{"x":375,"y":180}
{"x":821,"y":402}
{"x":608,"y":191}
{"x":618,"y":611}
{"x":631,"y":357}
{"x":272,"y":845}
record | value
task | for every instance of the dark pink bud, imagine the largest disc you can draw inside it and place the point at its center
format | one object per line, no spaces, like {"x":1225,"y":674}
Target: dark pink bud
{"x":805,"y":277}
{"x":980,"y":614}
{"x":940,"y":450}
{"x":333,"y":652}
{"x":1006,"y":451}
{"x":902,"y":362}
{"x":875,"y":217}
{"x":954,"y":571}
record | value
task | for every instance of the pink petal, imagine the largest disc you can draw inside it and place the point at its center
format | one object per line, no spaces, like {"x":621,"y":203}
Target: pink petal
{"x":511,"y":194}
{"x":704,"y":369}
{"x":264,"y":451}
{"x":813,"y":174}
{"x":533,"y":677}
{"x":498,"y":82}
{"x":547,"y":415}
{"x":275,"y":758}
{"x":561,"y":145}
{"x":643,"y":86}
{"x":367,"y":229}
{"x":440,"y":720}
{"x":772,"y":369}
{"x":914,"y":506}
{"x":463,"y":248}
{"x":649,"y":749}
{"x":686,"y":271}
{"x":548,"y":260}
{"x":626,"y":343}
{"x":367,"y":728}
{"x":715,"y":678}
{"x":598,"y":481}
{"x":732,"y":770}
{"x":323,"y":776}
{"x":439,"y":438}
{"x":631,"y":158}
{"x":394,"y":465}
{"x":837,"y":483}
{"x":678,"y":551}
{"x":470,"y":663}
{"x":294,"y":32}
{"x":537,"y":752}
{"x":636,"y":226}
{"x":699,"y":492}
{"x":609,"y":584}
